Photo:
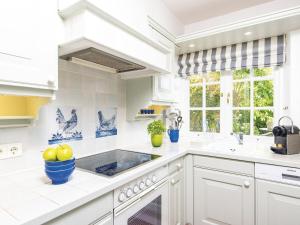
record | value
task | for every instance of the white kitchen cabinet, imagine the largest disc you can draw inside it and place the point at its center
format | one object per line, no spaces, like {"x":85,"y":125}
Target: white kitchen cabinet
{"x":277,"y":204}
{"x":223,"y":198}
{"x":96,"y":212}
{"x":29,"y":44}
{"x":163,"y":88}
{"x":177,"y":198}
{"x":176,"y":213}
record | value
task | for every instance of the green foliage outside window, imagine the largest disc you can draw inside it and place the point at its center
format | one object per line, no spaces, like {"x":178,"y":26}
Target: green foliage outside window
{"x":263,"y":93}
{"x":241,"y":94}
{"x":263,"y":121}
{"x":241,"y":74}
{"x":196,"y":120}
{"x":196,"y":96}
{"x":213,"y":121}
{"x":213,"y":95}
{"x":241,"y":121}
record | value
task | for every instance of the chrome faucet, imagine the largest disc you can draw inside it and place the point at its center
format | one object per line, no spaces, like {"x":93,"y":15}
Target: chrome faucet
{"x":239,"y":137}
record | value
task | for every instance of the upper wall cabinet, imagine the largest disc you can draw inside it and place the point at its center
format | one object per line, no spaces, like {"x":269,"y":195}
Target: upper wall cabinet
{"x":88,"y":25}
{"x":28,"y":47}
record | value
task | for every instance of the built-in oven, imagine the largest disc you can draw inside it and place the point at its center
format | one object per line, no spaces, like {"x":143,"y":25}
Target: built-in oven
{"x":150,"y":207}
{"x":143,"y":201}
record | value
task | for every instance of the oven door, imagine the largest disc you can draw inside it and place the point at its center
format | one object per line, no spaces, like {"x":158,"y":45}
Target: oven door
{"x":150,"y":208}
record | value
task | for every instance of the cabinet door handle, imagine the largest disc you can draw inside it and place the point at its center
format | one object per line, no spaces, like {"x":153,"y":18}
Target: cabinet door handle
{"x":246,"y":184}
{"x":179,"y":166}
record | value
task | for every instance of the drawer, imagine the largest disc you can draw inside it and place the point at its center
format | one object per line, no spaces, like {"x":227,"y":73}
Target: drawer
{"x":176,"y":165}
{"x":87,"y":213}
{"x":226,"y":165}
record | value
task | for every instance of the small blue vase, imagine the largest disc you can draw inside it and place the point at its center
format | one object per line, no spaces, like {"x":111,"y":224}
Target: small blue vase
{"x":174,"y":135}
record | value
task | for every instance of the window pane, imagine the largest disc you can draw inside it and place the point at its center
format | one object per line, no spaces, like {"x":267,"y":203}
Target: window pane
{"x":194,"y":79}
{"x":263,"y":93}
{"x":213,"y":76}
{"x":213,"y":95}
{"x":263,"y":121}
{"x":241,"y":74}
{"x":213,"y":121}
{"x":196,"y":120}
{"x":241,"y":121}
{"x":196,"y":96}
{"x":262,"y":72}
{"x":241,"y":94}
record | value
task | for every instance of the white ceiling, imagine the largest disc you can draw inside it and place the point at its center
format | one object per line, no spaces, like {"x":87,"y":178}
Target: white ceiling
{"x":190,"y":11}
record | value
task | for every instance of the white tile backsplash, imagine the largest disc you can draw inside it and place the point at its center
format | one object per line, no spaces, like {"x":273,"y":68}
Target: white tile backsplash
{"x":87,"y":89}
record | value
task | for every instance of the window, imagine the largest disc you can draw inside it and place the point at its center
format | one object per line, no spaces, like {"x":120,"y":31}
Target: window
{"x":236,"y":101}
{"x":205,"y":102}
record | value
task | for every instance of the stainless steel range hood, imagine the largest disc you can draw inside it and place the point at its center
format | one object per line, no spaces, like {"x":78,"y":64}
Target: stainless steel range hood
{"x":102,"y":60}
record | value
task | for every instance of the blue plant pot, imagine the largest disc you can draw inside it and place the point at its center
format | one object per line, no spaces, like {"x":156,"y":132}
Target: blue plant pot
{"x":59,"y":176}
{"x":174,"y":135}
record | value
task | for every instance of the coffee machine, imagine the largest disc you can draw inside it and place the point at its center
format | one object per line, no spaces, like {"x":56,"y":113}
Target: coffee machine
{"x":286,"y":138}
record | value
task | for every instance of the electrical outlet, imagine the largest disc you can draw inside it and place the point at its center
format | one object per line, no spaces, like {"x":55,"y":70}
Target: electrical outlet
{"x":10,"y":150}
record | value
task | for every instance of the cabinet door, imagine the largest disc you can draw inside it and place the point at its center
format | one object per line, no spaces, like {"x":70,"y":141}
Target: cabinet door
{"x":163,"y":88}
{"x":176,"y":198}
{"x":222,"y":198}
{"x":277,"y":204}
{"x":28,"y":43}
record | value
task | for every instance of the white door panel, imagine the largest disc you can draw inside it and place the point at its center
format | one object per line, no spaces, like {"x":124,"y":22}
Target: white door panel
{"x":221,"y":198}
{"x":277,"y":204}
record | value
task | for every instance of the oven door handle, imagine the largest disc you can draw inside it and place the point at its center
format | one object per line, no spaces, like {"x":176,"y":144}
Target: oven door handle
{"x":127,"y":207}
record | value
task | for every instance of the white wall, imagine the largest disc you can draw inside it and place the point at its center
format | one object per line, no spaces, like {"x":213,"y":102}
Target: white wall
{"x":243,"y":14}
{"x":293,"y":74}
{"x":86,"y":89}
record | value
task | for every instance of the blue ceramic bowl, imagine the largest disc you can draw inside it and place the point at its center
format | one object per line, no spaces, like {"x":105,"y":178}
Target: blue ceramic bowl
{"x":59,"y":176}
{"x":62,"y":167}
{"x":59,"y":163}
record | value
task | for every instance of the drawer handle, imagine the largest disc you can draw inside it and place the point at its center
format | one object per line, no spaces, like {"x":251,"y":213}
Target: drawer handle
{"x":246,"y":184}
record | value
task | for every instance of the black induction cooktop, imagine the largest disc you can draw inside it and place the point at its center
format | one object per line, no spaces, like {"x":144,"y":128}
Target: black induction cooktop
{"x":114,"y":162}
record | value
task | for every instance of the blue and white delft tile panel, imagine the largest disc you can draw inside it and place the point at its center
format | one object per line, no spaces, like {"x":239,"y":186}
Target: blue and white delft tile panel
{"x":66,"y":125}
{"x":106,"y":122}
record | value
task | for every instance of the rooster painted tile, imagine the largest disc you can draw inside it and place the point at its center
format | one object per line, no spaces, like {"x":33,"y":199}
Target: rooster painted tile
{"x":67,"y":127}
{"x":106,"y":122}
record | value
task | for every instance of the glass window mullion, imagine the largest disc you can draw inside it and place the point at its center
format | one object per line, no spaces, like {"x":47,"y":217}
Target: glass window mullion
{"x":251,"y":102}
{"x":204,"y":106}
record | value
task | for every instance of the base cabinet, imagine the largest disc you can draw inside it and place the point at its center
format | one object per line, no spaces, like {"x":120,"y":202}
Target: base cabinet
{"x":277,"y":204}
{"x":177,"y":198}
{"x":96,"y":212}
{"x":223,"y":198}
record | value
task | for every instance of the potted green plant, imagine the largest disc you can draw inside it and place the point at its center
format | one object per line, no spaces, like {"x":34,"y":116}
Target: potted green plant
{"x":156,"y":129}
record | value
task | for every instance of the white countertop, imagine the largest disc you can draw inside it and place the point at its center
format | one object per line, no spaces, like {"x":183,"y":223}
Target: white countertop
{"x":28,"y":198}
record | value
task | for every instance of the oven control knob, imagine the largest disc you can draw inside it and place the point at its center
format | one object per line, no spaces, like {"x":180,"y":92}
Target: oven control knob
{"x":122,"y":197}
{"x":148,"y":182}
{"x":136,"y":189}
{"x":154,"y":179}
{"x":129,"y":193}
{"x":142,"y":185}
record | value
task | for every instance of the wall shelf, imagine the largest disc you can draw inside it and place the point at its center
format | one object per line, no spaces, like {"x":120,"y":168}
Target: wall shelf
{"x":20,"y":111}
{"x":147,"y":116}
{"x":15,"y":121}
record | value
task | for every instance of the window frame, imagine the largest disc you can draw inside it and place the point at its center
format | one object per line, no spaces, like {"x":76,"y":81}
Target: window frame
{"x":226,"y":108}
{"x":203,"y":108}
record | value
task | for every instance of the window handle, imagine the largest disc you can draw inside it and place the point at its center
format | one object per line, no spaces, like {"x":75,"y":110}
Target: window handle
{"x":228,"y":98}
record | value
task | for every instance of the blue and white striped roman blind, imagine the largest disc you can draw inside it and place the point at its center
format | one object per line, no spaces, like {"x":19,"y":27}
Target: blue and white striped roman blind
{"x":261,"y":53}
